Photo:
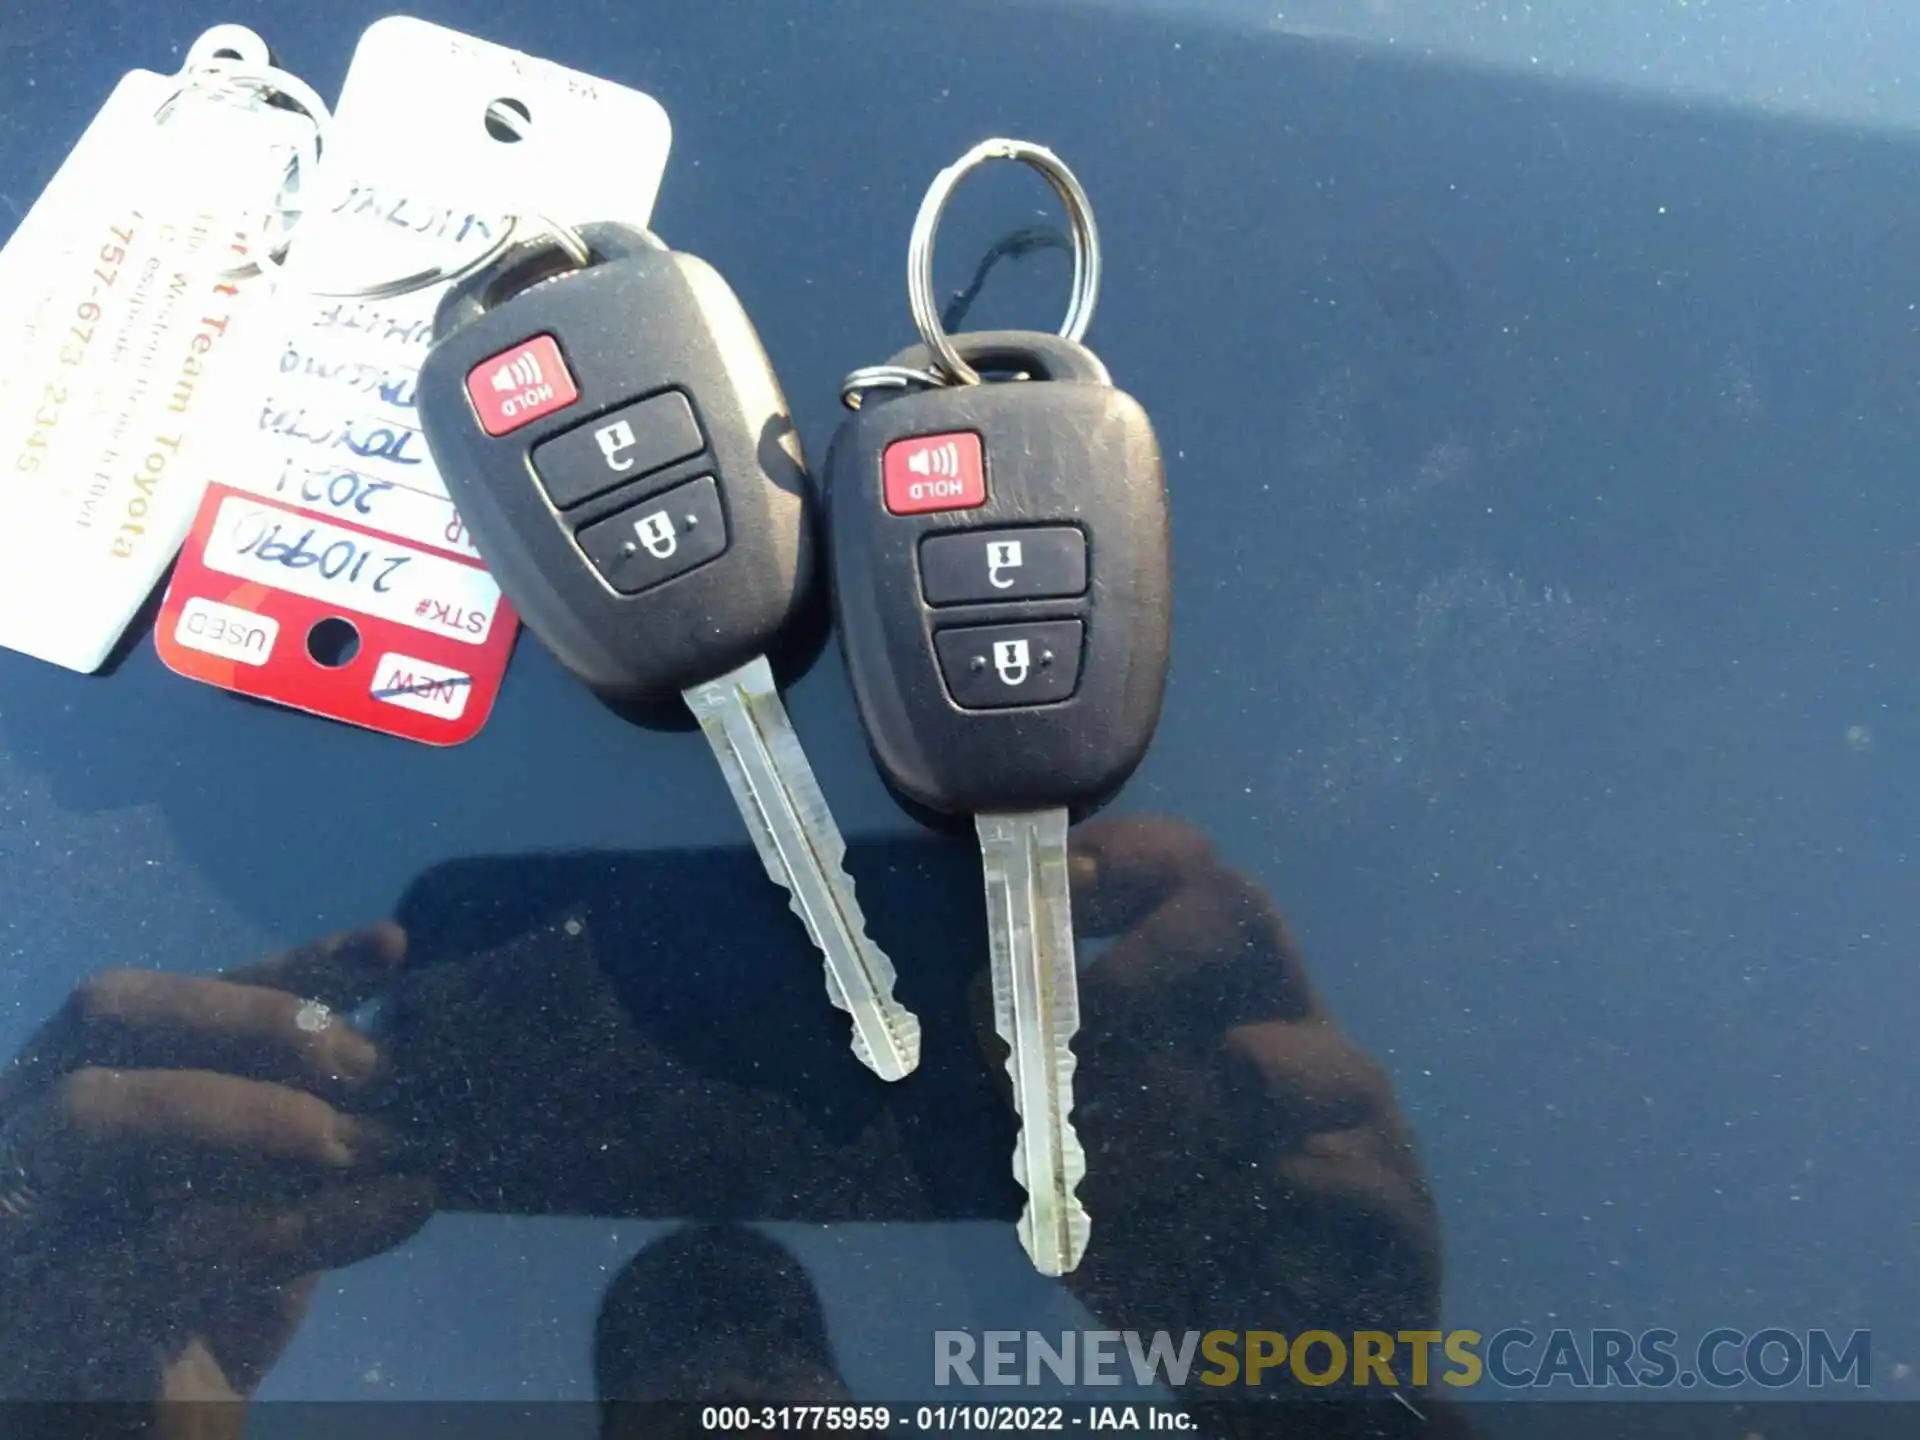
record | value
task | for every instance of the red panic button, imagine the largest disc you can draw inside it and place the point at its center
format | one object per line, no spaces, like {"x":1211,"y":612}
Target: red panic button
{"x":518,"y":386}
{"x":935,"y":472}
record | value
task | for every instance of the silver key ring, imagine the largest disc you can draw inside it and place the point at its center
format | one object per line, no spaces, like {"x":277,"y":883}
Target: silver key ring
{"x":215,"y":76}
{"x":210,"y":69}
{"x":853,"y":389}
{"x":926,"y":309}
{"x":525,"y":230}
{"x":517,"y":230}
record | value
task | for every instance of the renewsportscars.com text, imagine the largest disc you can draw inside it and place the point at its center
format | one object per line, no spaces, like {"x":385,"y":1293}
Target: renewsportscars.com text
{"x":1512,"y":1359}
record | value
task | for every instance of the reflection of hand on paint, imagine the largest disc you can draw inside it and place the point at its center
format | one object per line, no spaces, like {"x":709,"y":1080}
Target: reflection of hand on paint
{"x":1247,"y":1171}
{"x":1246,"y":1163}
{"x":176,"y":1174}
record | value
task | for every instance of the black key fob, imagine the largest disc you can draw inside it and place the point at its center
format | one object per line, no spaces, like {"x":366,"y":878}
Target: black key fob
{"x":616,"y":440}
{"x":1001,"y":579}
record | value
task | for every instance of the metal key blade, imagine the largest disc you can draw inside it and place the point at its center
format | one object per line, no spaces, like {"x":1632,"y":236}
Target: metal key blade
{"x":1036,"y":1009}
{"x":779,"y":798}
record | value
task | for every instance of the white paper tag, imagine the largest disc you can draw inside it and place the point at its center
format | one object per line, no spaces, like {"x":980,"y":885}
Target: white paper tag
{"x":324,"y":508}
{"x":119,"y":329}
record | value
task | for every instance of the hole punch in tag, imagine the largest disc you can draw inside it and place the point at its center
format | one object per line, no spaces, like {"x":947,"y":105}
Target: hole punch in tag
{"x":326,"y":535}
{"x":124,"y":292}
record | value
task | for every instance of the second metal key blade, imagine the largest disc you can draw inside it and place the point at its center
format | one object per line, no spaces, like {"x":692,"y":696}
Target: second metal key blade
{"x":1036,"y":1010}
{"x":779,"y":798}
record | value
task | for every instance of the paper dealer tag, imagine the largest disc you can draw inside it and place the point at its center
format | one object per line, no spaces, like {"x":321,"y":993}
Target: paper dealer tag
{"x":120,"y":321}
{"x":326,"y":569}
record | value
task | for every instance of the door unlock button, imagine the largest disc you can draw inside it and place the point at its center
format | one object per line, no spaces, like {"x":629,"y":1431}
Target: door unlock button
{"x":968,"y":567}
{"x":594,"y":457}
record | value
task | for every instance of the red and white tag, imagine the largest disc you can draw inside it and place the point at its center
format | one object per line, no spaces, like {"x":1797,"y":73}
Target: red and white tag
{"x":326,"y":569}
{"x":257,"y":601}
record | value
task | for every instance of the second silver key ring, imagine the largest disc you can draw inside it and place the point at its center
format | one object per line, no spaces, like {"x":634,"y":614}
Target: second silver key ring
{"x":950,"y":367}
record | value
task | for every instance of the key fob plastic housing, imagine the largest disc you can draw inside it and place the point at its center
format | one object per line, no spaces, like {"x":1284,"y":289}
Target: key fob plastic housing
{"x":1001,"y":579}
{"x":617,"y":443}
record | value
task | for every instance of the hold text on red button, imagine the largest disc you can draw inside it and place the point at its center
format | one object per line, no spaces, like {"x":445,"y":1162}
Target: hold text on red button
{"x":935,"y":472}
{"x":518,"y":386}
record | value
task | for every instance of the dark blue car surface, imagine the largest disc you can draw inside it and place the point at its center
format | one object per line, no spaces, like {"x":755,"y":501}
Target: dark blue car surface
{"x":1538,"y":403}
